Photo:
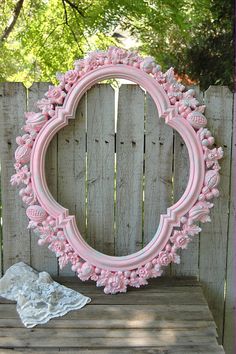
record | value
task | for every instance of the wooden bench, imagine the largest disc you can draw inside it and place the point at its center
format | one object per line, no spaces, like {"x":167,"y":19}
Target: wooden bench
{"x":170,"y":315}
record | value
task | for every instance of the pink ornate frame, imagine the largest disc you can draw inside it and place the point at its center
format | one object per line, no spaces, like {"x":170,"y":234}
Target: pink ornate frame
{"x":52,"y":222}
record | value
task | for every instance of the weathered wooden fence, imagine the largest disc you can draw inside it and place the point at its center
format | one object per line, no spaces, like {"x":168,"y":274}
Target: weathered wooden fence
{"x":117,"y":175}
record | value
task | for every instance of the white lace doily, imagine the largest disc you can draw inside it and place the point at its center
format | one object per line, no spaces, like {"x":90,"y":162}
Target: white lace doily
{"x":38,"y":297}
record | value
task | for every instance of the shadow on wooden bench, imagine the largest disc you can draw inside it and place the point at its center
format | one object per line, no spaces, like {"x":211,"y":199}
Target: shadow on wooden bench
{"x":168,"y":316}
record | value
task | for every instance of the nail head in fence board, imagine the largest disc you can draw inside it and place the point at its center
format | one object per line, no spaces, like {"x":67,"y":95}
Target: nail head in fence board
{"x":16,"y":237}
{"x":72,"y":169}
{"x":213,"y":243}
{"x":189,"y":259}
{"x":129,"y":150}
{"x":100,"y":167}
{"x":42,"y":258}
{"x":158,"y":170}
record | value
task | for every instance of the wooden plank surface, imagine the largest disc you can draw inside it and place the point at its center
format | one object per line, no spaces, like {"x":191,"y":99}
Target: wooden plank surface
{"x":16,"y":237}
{"x":101,"y":338}
{"x":188,"y":258}
{"x":72,"y":169}
{"x":80,"y":165}
{"x":158,"y":170}
{"x":213,"y":244}
{"x":190,"y":349}
{"x":167,"y":322}
{"x":121,"y":312}
{"x":1,"y":183}
{"x":115,"y":323}
{"x":41,"y":257}
{"x":230,"y":311}
{"x":142,"y":298}
{"x":129,"y":182}
{"x":100,"y":168}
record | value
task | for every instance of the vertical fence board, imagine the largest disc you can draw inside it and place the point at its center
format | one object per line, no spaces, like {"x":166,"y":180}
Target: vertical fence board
{"x":158,"y":170}
{"x":71,"y":169}
{"x":80,"y":165}
{"x":51,"y":167}
{"x":65,"y":175}
{"x":16,"y":237}
{"x":100,"y":167}
{"x":230,"y":311}
{"x":213,"y":243}
{"x":41,"y":257}
{"x":1,"y":231}
{"x":188,"y":258}
{"x":129,"y":183}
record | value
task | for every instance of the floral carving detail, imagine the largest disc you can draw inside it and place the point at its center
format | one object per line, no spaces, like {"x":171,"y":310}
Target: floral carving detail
{"x":165,"y":258}
{"x":205,"y":137}
{"x":70,"y":78}
{"x":148,"y":65}
{"x":191,"y":229}
{"x":85,"y":272}
{"x":44,"y":225}
{"x":211,"y":181}
{"x":55,"y":95}
{"x":34,"y":121}
{"x":197,"y":119}
{"x":22,"y":176}
{"x":36,"y":213}
{"x":116,"y":283}
{"x":180,"y":239}
{"x":211,"y":156}
{"x":144,"y":272}
{"x":27,"y":194}
{"x":58,"y":246}
{"x":23,"y":152}
{"x":46,"y":107}
{"x":113,"y":282}
{"x":200,"y":212}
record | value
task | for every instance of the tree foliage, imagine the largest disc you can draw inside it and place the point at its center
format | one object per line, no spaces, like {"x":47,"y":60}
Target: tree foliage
{"x":41,"y":37}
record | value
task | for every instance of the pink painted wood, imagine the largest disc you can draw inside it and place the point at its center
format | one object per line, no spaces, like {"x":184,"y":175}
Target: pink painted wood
{"x":52,"y":221}
{"x":174,"y":213}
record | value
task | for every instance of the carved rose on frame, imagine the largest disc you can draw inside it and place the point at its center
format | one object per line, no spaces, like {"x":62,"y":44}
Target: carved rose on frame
{"x":52,"y":223}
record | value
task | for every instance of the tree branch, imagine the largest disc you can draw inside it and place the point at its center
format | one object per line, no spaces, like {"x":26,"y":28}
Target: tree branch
{"x":65,"y":11}
{"x":82,"y":33}
{"x":67,"y":23}
{"x":73,"y":6}
{"x":10,"y":27}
